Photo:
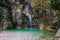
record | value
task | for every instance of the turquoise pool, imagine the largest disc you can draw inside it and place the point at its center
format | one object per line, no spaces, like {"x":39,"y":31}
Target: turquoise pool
{"x":28,"y":34}
{"x":37,"y":31}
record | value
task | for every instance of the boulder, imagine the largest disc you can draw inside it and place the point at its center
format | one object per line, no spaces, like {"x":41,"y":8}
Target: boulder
{"x":57,"y":36}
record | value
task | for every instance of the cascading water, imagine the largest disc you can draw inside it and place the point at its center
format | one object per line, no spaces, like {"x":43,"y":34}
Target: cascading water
{"x":27,"y":8}
{"x":29,"y":15}
{"x":13,"y":10}
{"x":16,"y":14}
{"x":13,"y":13}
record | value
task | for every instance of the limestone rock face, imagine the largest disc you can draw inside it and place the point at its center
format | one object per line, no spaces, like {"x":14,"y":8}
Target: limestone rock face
{"x":58,"y":33}
{"x":4,"y":18}
{"x":57,"y":36}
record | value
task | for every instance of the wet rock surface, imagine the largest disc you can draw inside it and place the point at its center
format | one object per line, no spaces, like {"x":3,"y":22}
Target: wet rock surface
{"x":57,"y":36}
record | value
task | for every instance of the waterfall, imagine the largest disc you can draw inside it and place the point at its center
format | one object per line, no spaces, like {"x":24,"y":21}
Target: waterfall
{"x":13,"y":14}
{"x":29,"y":15}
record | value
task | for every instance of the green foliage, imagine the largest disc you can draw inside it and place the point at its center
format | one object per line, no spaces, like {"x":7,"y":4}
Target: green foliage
{"x":55,"y":4}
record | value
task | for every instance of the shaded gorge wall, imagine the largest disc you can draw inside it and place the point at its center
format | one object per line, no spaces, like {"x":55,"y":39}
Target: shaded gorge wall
{"x":13,"y":14}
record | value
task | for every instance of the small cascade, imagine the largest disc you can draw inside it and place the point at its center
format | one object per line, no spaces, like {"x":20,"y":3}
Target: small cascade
{"x":29,"y":15}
